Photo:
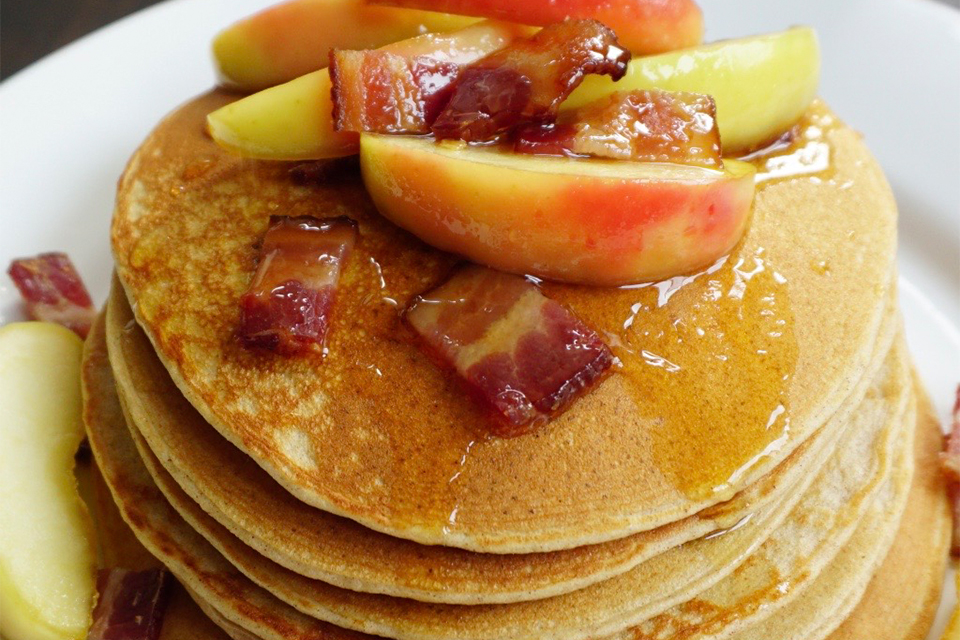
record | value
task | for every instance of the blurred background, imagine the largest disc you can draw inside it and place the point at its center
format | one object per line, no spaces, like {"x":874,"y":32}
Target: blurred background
{"x":30,"y":29}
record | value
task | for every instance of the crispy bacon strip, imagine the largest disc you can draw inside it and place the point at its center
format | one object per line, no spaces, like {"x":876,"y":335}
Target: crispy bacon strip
{"x":53,"y":291}
{"x":287,"y":307}
{"x":527,"y":80}
{"x":131,"y":604}
{"x":521,"y":355}
{"x":950,"y":461}
{"x":643,"y":126}
{"x":385,"y":92}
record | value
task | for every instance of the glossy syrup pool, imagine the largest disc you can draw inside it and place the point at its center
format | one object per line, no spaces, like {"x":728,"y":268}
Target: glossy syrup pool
{"x":709,"y":357}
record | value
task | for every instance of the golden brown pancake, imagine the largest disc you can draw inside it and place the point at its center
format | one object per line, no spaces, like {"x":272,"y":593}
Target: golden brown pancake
{"x":229,"y":486}
{"x":761,"y":592}
{"x":651,"y":587}
{"x":725,"y":372}
{"x":157,"y":526}
{"x":119,"y":548}
{"x":153,"y":519}
{"x":918,"y":556}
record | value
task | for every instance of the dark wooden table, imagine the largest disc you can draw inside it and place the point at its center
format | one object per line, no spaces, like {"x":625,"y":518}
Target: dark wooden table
{"x":30,"y":29}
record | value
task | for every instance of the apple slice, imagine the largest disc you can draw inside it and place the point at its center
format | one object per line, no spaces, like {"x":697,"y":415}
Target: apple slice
{"x":47,"y":558}
{"x":587,"y":221}
{"x":762,"y":85}
{"x":643,"y":26}
{"x":294,"y":121}
{"x":293,"y":38}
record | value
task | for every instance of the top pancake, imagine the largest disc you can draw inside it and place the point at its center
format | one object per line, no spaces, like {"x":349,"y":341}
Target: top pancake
{"x":724,"y":373}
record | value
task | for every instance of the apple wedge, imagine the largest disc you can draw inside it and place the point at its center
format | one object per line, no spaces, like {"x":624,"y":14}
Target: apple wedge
{"x":293,"y":38}
{"x":47,"y":559}
{"x":595,"y":222}
{"x":643,"y":26}
{"x":294,"y":121}
{"x":762,"y":85}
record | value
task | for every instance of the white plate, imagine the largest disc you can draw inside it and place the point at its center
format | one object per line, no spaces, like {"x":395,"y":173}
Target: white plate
{"x":69,"y":122}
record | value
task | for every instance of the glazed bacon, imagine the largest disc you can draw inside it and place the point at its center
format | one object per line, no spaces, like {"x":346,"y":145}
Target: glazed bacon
{"x":950,"y":461}
{"x":287,"y":307}
{"x":384,"y":92}
{"x":131,"y":604}
{"x":527,"y":80}
{"x":53,"y":291}
{"x":523,"y":356}
{"x":642,"y":126}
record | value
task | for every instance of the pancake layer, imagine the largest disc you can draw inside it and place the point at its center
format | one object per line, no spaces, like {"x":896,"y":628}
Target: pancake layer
{"x":165,"y":520}
{"x":316,"y":544}
{"x":375,"y":433}
{"x":642,"y":592}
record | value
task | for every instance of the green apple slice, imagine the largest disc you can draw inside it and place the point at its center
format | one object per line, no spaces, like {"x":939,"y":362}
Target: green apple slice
{"x":47,"y":555}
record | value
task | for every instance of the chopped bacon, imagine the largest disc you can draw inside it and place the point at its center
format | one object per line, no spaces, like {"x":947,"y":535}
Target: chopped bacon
{"x":950,"y":461}
{"x":386,"y":92}
{"x":523,"y":356}
{"x":287,"y":307}
{"x":643,"y":126}
{"x":131,"y":604}
{"x":527,"y":80}
{"x":53,"y":291}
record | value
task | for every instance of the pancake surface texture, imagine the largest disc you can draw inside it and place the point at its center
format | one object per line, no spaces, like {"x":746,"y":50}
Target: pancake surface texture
{"x":647,"y":590}
{"x":254,"y":610}
{"x":316,"y":544}
{"x":374,"y":432}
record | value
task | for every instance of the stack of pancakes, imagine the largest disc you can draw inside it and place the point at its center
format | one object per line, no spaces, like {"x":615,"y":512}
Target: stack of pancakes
{"x":758,"y":466}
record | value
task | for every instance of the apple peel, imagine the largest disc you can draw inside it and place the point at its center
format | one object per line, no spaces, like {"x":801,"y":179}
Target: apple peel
{"x":585,"y":221}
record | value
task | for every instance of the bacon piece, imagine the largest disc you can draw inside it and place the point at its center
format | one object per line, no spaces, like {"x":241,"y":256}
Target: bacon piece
{"x":527,"y":80}
{"x":950,"y":461}
{"x":287,"y":307}
{"x":131,"y":604}
{"x":53,"y":291}
{"x":385,"y":92}
{"x":642,"y":126}
{"x":523,"y":356}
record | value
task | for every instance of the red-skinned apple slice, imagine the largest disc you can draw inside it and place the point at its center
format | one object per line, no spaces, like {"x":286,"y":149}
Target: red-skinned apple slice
{"x":594,"y":222}
{"x":294,"y":121}
{"x":293,"y":38}
{"x":643,"y":26}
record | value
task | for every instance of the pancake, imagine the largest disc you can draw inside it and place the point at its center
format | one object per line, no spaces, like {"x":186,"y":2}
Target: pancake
{"x":725,"y":373}
{"x":792,"y":559}
{"x":158,"y":527}
{"x":873,"y":616}
{"x":154,"y":519}
{"x":119,"y":548}
{"x":229,"y":486}
{"x":918,"y":556}
{"x":644,"y":591}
